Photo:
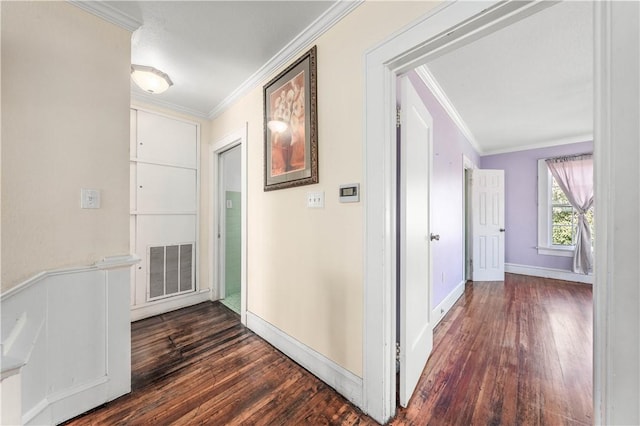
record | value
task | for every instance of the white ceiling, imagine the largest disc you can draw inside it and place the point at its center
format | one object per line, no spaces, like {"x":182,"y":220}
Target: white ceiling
{"x":527,"y":85}
{"x":212,"y":48}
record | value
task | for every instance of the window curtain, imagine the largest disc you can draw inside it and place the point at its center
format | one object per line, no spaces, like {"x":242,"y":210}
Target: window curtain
{"x":575,"y":176}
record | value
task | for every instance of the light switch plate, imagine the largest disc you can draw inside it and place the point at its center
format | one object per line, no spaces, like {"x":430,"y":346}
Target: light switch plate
{"x":315,"y":200}
{"x":90,"y":198}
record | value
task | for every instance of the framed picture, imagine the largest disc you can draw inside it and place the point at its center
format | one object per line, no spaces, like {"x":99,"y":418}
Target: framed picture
{"x":291,"y":126}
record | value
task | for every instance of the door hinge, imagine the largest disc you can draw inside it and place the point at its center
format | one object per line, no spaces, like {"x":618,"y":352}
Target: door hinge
{"x":397,"y":351}
{"x":398,"y":117}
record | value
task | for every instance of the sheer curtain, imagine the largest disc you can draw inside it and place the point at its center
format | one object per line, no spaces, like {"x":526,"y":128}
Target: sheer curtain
{"x":575,"y":176}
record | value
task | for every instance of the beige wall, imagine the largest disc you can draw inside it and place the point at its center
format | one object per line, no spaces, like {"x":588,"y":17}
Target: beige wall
{"x":65,"y":126}
{"x":305,"y":266}
{"x":203,"y":228}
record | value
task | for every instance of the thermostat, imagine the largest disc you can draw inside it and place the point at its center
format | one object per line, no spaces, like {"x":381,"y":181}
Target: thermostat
{"x":350,"y":193}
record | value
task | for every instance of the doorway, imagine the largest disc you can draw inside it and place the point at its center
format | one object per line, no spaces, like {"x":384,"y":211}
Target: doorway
{"x":458,"y":23}
{"x":228,"y":222}
{"x":229,"y":232}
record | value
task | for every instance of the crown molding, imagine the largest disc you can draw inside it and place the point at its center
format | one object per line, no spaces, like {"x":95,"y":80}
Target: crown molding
{"x":429,"y":80}
{"x":149,"y":99}
{"x":318,"y":27}
{"x":108,"y":13}
{"x":587,"y":137}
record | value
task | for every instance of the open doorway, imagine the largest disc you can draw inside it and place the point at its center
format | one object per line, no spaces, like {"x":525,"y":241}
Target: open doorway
{"x":229,"y":232}
{"x":228,"y":222}
{"x":392,"y":58}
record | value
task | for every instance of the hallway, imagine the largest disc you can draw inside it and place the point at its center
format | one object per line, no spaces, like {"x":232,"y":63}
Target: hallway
{"x":518,"y":352}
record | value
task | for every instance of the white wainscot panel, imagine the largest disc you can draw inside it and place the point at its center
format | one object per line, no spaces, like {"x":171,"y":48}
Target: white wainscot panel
{"x":70,"y":330}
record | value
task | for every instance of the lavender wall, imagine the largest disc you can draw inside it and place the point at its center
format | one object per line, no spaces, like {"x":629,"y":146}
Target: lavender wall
{"x":521,"y":208}
{"x":449,"y":144}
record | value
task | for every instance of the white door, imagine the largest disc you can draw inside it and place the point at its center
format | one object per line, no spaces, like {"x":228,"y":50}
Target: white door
{"x":488,"y":224}
{"x":416,"y":334}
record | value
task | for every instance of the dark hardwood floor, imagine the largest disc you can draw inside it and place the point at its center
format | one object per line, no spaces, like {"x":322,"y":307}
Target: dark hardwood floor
{"x":518,"y":352}
{"x":512,"y":353}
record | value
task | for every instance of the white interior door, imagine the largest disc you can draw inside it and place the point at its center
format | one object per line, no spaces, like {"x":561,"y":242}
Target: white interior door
{"x":416,"y":333}
{"x":487,"y":188}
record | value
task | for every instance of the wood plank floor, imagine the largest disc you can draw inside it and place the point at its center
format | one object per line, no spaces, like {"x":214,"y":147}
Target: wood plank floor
{"x":517,"y":352}
{"x":512,"y":353}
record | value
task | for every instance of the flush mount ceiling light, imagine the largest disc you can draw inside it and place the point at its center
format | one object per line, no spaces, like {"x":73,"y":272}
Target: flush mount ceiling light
{"x":150,"y":79}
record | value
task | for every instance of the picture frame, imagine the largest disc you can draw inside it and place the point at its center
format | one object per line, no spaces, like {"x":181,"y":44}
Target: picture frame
{"x":291,"y":125}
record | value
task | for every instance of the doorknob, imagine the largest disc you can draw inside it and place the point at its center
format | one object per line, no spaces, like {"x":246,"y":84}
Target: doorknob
{"x":434,"y":237}
{"x":501,"y":229}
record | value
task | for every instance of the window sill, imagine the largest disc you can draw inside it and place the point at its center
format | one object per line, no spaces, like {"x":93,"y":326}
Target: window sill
{"x":556,"y":251}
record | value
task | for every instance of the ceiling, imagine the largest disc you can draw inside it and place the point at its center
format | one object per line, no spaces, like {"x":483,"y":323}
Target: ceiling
{"x":527,"y":85}
{"x":213,"y":49}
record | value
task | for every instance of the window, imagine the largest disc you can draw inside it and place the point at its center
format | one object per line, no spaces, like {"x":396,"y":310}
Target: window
{"x":557,"y":219}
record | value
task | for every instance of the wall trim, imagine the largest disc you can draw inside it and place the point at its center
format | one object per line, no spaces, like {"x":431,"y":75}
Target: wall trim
{"x":438,"y":92}
{"x":108,"y":262}
{"x":445,"y":306}
{"x":37,"y":409}
{"x":108,"y":13}
{"x":168,"y":304}
{"x":138,"y":95}
{"x":343,"y":381}
{"x":556,"y":274}
{"x":318,"y":27}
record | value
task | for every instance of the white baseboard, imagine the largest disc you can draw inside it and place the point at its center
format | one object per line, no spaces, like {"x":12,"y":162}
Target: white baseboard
{"x":152,"y":309}
{"x":539,"y":271}
{"x":443,"y":307}
{"x":343,"y":381}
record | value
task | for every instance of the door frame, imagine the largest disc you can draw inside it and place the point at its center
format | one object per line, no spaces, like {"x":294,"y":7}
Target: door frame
{"x":467,"y":226}
{"x":238,"y":137}
{"x":447,"y":26}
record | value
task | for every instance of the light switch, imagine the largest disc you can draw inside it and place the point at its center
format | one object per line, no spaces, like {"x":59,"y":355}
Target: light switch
{"x":90,"y":198}
{"x":229,"y":204}
{"x":315,"y":200}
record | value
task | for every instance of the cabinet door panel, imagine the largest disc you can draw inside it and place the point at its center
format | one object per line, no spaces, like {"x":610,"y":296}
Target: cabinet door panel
{"x":165,"y":140}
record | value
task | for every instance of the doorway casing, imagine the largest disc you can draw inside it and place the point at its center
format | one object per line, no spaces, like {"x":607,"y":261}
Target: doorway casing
{"x":445,"y":28}
{"x":238,"y":137}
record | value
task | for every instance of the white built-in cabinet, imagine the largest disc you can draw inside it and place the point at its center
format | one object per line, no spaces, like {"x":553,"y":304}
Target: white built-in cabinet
{"x":164,"y":212}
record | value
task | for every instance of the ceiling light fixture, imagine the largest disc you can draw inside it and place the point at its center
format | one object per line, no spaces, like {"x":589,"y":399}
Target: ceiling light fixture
{"x":150,"y":79}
